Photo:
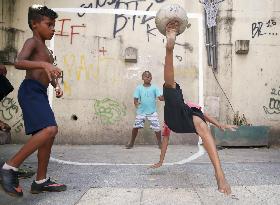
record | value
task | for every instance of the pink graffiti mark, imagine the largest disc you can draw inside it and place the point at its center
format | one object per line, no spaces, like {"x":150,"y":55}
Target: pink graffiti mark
{"x":102,"y":50}
{"x":62,"y":31}
{"x":73,"y":33}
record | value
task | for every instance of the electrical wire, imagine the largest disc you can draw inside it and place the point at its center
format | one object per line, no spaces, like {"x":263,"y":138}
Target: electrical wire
{"x":222,"y":90}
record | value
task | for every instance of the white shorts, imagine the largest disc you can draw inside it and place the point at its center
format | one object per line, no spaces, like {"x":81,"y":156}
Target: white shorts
{"x":153,"y":119}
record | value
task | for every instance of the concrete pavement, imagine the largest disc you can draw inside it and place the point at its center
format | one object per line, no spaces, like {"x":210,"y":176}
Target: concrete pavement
{"x":110,"y":174}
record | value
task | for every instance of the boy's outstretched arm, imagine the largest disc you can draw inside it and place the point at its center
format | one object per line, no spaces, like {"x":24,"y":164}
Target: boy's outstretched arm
{"x":223,"y":127}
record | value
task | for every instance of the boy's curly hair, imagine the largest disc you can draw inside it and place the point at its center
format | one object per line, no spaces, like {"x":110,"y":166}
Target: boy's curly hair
{"x":146,"y":71}
{"x":36,"y":13}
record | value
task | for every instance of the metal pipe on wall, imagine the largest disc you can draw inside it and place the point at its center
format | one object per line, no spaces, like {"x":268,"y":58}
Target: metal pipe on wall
{"x":214,"y":48}
{"x":207,"y":40}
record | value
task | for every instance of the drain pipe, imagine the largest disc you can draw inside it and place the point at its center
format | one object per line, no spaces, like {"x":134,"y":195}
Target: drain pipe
{"x":207,"y":40}
{"x":214,"y":48}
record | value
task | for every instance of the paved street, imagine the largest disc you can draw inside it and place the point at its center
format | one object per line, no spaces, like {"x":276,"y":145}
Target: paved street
{"x":110,"y":174}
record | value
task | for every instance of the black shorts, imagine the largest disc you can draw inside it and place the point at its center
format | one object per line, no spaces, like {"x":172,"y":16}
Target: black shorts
{"x":177,"y":115}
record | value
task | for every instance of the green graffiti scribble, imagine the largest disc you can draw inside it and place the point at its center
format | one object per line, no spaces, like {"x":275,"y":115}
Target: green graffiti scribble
{"x":109,"y":111}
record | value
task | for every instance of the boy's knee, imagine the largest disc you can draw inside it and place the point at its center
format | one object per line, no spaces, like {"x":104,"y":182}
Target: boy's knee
{"x":52,"y":131}
{"x":199,"y":124}
{"x":168,"y":84}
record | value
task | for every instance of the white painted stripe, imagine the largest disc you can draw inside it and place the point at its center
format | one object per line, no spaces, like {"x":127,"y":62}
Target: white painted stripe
{"x":50,"y":88}
{"x":200,"y":152}
{"x":148,"y":13}
{"x":200,"y":63}
{"x":105,"y":11}
{"x":115,"y":11}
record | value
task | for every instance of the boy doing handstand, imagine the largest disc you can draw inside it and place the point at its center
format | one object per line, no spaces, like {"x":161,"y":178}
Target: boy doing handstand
{"x":180,"y":118}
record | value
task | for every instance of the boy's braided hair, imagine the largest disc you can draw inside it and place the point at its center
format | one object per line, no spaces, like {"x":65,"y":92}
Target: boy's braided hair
{"x":36,"y":13}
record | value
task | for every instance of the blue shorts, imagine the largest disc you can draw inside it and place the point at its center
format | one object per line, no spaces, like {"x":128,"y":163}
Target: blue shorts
{"x":34,"y":103}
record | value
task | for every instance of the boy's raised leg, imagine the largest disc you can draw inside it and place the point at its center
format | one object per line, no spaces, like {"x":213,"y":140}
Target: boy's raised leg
{"x":210,"y":146}
{"x":171,"y":32}
{"x":168,"y":66}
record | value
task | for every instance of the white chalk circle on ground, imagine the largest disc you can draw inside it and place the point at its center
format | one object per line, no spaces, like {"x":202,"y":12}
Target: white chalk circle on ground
{"x":171,"y":12}
{"x":199,"y":153}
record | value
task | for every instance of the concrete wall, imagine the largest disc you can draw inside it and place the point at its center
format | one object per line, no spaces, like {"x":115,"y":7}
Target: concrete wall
{"x":255,"y":76}
{"x":97,"y":107}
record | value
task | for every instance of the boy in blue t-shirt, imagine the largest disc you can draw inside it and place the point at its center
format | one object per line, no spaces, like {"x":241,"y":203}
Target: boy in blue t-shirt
{"x":145,"y":97}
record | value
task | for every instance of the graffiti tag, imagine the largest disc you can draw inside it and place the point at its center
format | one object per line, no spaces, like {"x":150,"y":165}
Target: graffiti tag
{"x":274,"y":103}
{"x":110,"y":111}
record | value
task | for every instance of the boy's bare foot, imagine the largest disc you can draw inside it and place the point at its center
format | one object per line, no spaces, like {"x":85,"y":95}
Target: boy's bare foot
{"x":129,"y":146}
{"x":170,"y":38}
{"x":171,"y":31}
{"x":157,"y":165}
{"x":223,"y":185}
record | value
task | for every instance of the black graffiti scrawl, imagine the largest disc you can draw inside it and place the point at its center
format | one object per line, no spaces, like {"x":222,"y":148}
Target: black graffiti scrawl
{"x":264,"y":28}
{"x":274,"y":103}
{"x":121,"y":21}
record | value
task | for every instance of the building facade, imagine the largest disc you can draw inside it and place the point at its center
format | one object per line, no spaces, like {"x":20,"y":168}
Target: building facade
{"x":103,"y":54}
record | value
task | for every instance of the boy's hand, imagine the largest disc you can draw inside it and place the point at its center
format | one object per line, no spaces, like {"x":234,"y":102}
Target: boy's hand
{"x":58,"y":92}
{"x":3,"y":70}
{"x":230,"y":127}
{"x":52,"y":71}
{"x":137,"y":104}
{"x":161,"y":98}
{"x":4,"y":127}
{"x":157,"y":165}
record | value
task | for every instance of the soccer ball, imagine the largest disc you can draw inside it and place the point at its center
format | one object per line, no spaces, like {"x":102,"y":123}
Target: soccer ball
{"x":171,"y":12}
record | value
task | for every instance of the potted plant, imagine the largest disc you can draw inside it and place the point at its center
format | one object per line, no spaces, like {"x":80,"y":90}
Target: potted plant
{"x":245,"y":135}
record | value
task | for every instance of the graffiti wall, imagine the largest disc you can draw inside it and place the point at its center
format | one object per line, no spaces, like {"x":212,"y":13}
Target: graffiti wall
{"x":98,"y":81}
{"x":103,"y":54}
